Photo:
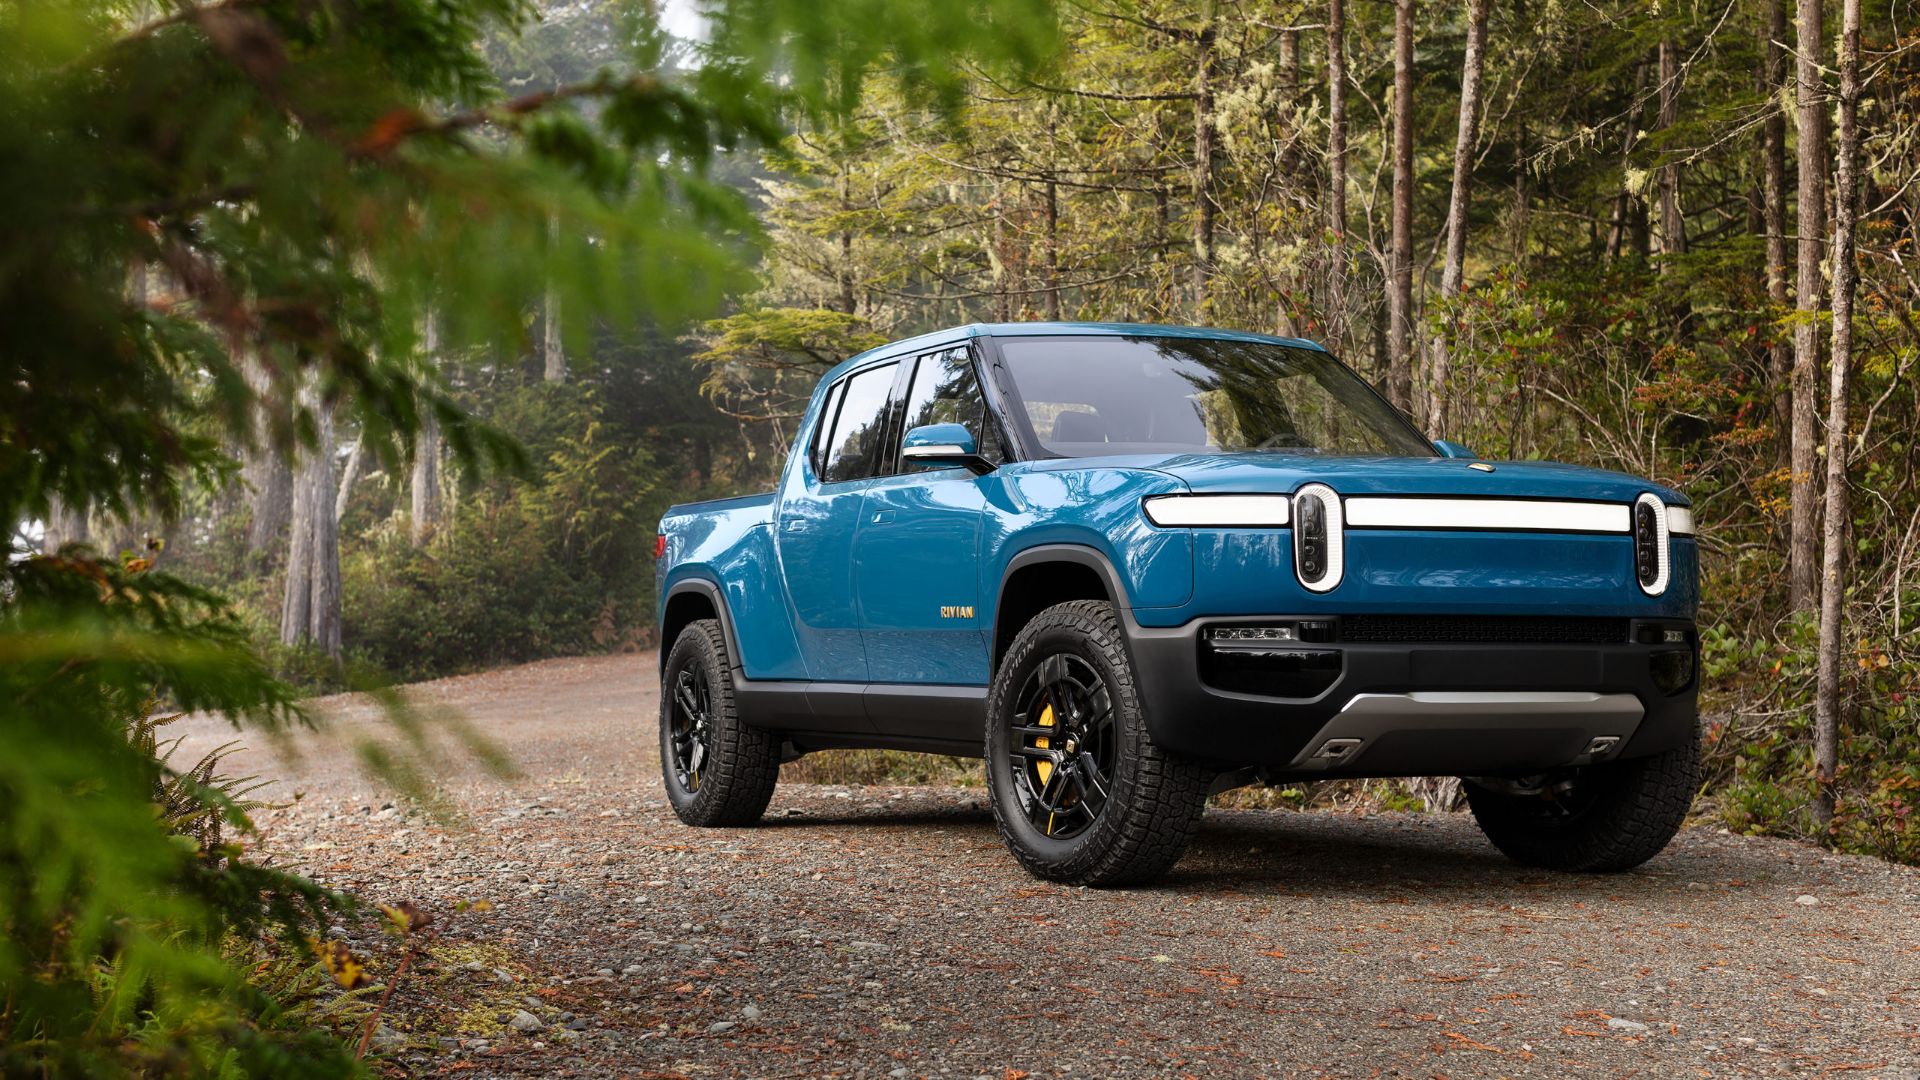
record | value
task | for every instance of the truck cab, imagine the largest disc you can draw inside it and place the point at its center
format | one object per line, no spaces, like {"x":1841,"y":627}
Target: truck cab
{"x":1130,"y":565}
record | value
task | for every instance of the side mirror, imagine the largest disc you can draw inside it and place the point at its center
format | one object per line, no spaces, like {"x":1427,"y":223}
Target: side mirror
{"x":943,"y":446}
{"x":1449,"y":449}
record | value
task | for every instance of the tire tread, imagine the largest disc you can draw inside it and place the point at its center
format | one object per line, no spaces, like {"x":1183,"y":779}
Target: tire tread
{"x":739,"y":783}
{"x":1164,"y":797}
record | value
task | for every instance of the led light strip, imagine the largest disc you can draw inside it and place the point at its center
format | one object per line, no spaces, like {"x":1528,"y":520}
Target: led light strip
{"x":1225,"y":511}
{"x":1488,"y":515}
{"x":1386,"y":512}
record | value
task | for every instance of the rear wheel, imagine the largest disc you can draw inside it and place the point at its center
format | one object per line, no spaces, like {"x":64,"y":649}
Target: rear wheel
{"x":1080,"y":793}
{"x":718,"y":771}
{"x":1598,"y":818}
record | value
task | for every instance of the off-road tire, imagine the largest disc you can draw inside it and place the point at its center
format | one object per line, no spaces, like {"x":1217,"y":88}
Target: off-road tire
{"x":1635,"y":809}
{"x":743,"y":763}
{"x":1156,"y":799}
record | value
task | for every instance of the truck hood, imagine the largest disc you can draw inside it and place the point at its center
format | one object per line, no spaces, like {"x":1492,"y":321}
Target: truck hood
{"x":1268,"y":471}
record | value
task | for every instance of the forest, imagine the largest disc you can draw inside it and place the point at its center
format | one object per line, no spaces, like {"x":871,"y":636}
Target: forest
{"x":364,"y":343}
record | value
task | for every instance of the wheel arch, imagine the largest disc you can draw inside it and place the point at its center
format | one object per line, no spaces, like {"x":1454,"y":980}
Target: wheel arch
{"x":1039,"y":577}
{"x":687,"y":601}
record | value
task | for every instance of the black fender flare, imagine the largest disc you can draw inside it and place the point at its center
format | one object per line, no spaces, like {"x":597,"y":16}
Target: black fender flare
{"x":1082,"y":554}
{"x":715,"y":596}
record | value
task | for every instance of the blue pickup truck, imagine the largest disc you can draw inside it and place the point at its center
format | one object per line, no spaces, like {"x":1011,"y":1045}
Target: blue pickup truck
{"x":1133,"y":565}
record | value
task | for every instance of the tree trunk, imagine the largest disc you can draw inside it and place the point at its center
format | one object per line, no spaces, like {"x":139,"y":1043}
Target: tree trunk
{"x":1286,"y":283}
{"x":1673,"y":223}
{"x":1053,"y":233}
{"x":1465,"y":137}
{"x":427,"y":497}
{"x":356,"y":461}
{"x":1630,"y":130}
{"x":266,"y":472}
{"x":1826,"y":715}
{"x":553,"y":352}
{"x":1400,"y":257}
{"x":1337,"y":168}
{"x":845,"y":268}
{"x":311,"y":612}
{"x":1812,"y":213}
{"x":1203,"y":166}
{"x":65,"y":525}
{"x":1774,"y":213}
{"x":1290,"y":95}
{"x":1002,"y":303}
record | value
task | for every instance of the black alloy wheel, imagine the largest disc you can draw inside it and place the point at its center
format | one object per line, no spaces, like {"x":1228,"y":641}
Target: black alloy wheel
{"x":1068,"y":744}
{"x":689,"y":729}
{"x":1080,"y":792}
{"x":717,"y":769}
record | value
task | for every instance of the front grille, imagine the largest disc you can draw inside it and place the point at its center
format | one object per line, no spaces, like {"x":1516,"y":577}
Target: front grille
{"x":1469,"y":629}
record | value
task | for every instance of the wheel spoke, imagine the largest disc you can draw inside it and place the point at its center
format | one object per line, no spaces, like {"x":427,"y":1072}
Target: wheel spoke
{"x":1088,"y":769}
{"x":1099,"y":708}
{"x":1053,"y":671}
{"x":1065,"y":795}
{"x":689,"y":728}
{"x":1041,"y":801}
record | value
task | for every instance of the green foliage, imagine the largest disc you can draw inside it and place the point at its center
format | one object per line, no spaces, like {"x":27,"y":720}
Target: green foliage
{"x":553,"y":562}
{"x":1173,"y":165}
{"x":763,"y":364}
{"x":228,"y":224}
{"x":118,"y":890}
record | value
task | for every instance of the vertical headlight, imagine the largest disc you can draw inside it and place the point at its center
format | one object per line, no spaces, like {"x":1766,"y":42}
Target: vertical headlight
{"x":1652,"y":561}
{"x":1319,"y":537}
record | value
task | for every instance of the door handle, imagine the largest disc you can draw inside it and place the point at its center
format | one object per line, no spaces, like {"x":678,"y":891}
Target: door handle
{"x":881,"y":517}
{"x":797,"y":525}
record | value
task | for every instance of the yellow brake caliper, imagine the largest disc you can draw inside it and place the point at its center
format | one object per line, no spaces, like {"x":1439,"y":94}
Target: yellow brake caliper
{"x":1044,"y":768}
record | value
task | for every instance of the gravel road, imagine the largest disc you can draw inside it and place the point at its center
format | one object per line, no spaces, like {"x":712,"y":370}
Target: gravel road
{"x":884,"y":932}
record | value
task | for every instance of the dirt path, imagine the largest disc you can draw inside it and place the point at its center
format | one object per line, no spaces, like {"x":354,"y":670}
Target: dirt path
{"x":884,"y":932}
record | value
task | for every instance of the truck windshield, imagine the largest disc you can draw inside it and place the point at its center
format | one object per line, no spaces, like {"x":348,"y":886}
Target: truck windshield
{"x":1086,"y":397}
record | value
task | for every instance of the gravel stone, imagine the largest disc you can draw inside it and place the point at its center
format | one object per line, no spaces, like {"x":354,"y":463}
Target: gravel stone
{"x":1397,"y":944}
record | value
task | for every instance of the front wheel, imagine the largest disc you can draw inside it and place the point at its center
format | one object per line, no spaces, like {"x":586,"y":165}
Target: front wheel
{"x":1594,"y":819}
{"x":1080,"y":793}
{"x":718,"y":771}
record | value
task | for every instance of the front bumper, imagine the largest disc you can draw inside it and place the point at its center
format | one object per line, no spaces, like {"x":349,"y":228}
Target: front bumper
{"x":1337,"y":707}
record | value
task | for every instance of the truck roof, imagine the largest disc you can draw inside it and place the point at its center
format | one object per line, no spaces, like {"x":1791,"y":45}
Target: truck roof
{"x":956,"y":334}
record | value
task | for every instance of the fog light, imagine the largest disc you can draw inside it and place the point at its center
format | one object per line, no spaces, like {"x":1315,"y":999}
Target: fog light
{"x":1672,"y":670}
{"x":1250,"y":635}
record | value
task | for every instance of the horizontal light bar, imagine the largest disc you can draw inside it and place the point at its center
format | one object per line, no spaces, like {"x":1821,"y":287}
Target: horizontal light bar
{"x":1230,"y":511}
{"x":1680,"y":520}
{"x":1251,"y":634}
{"x":1488,"y":515}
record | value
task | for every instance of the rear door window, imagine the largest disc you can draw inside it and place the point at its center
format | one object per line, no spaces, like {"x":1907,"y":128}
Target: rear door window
{"x":823,"y":428}
{"x":860,"y":427}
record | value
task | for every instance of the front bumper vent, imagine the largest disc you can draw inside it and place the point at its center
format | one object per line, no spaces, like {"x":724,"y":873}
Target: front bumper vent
{"x":1489,"y":629}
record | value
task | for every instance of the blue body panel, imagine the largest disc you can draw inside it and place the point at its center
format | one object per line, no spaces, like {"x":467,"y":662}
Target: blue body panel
{"x":895,"y":580}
